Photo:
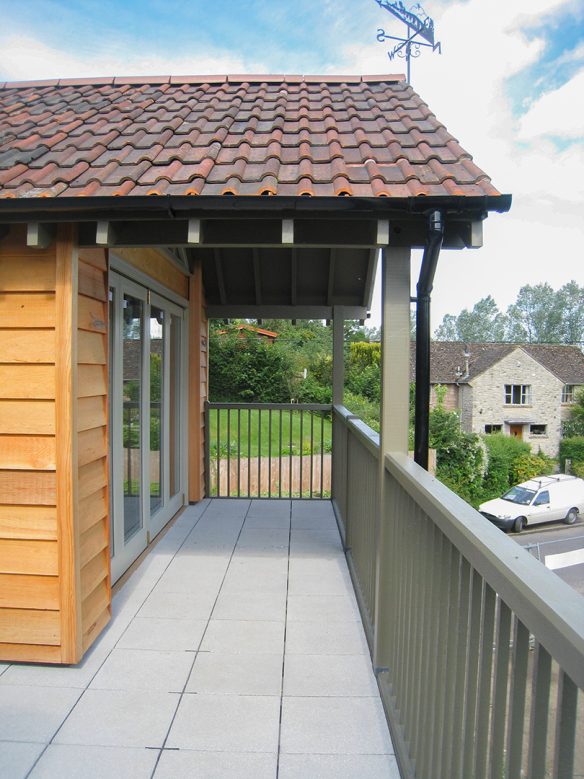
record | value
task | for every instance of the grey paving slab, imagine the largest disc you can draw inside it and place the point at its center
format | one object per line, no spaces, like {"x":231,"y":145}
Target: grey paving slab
{"x":65,"y":761}
{"x":34,"y":713}
{"x":323,"y":582}
{"x":77,"y":676}
{"x":125,"y":718}
{"x":17,"y":758}
{"x":335,"y":675}
{"x":271,"y":521}
{"x":331,"y":638}
{"x":156,"y":633}
{"x":144,"y":669}
{"x":241,"y":637}
{"x":338,"y":767}
{"x":323,"y":608}
{"x":236,"y":674}
{"x":179,"y":605}
{"x":185,"y":764}
{"x":264,"y":606}
{"x":226,"y":723}
{"x":334,"y":726}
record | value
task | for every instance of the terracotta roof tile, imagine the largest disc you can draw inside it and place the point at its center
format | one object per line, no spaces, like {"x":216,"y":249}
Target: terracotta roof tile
{"x":228,"y":135}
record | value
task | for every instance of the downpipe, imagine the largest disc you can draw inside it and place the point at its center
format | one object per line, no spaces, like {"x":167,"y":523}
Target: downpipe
{"x":424,"y":289}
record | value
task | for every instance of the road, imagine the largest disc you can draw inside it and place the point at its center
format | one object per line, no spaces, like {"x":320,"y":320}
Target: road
{"x":560,"y":547}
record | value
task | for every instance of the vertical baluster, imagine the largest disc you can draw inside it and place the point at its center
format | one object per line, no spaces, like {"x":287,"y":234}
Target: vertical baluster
{"x":301,"y":448}
{"x":259,"y":452}
{"x":239,"y":453}
{"x":218,"y":452}
{"x":542,"y":666}
{"x":461,"y":669}
{"x":280,"y":460}
{"x":322,"y":454}
{"x":249,"y":453}
{"x":311,"y":452}
{"x":486,"y":670}
{"x":228,"y":452}
{"x":517,"y":698}
{"x":451,"y":670}
{"x":566,"y":719}
{"x":499,"y":718}
{"x":469,"y":743}
{"x":270,"y":453}
{"x":291,"y":458}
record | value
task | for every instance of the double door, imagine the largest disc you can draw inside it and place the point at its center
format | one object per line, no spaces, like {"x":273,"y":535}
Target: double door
{"x":146,"y":408}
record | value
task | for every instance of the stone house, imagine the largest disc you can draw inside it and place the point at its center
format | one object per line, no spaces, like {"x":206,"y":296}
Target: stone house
{"x":521,"y":390}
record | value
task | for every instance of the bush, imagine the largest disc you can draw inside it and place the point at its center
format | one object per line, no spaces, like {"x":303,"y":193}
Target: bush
{"x":572,"y":449}
{"x":503,"y":451}
{"x":527,"y":466}
{"x":363,"y":408}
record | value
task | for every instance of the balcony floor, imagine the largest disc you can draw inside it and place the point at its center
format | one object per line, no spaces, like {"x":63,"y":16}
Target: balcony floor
{"x":235,"y":650}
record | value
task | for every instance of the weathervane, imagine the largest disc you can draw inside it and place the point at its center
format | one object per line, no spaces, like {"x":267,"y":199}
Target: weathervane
{"x":419,"y":25}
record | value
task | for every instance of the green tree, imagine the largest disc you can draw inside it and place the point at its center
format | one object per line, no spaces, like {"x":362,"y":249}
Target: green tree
{"x":536,"y":316}
{"x":483,"y":323}
{"x":570,"y":301}
{"x":574,"y":426}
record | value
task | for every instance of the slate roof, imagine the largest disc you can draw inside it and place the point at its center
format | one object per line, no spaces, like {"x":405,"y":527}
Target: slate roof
{"x":239,"y":135}
{"x":565,"y":362}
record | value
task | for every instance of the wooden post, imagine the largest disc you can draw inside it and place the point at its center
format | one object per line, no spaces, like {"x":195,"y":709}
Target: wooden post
{"x":66,"y":441}
{"x":395,"y":395}
{"x":338,"y":355}
{"x":197,"y":388}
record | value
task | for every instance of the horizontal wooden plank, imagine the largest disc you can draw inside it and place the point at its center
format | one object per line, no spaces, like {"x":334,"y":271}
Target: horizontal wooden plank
{"x":94,"y":572}
{"x":91,"y":348}
{"x":39,"y":558}
{"x":33,"y":273}
{"x":92,"y":477}
{"x":157,"y":266}
{"x":30,"y":653}
{"x":28,"y":488}
{"x":33,"y":309}
{"x":91,"y":380}
{"x":92,"y":509}
{"x":91,"y":413}
{"x":27,"y":346}
{"x":28,"y":522}
{"x":94,"y":629}
{"x":29,"y":626}
{"x":27,"y":381}
{"x":94,"y":606}
{"x":91,"y":314}
{"x":95,"y":257}
{"x":18,"y":591}
{"x":92,"y":542}
{"x":92,"y":282}
{"x":29,"y":453}
{"x":36,"y":417}
{"x":91,"y":445}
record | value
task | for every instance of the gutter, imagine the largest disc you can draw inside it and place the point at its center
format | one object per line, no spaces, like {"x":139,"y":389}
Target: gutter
{"x":424,"y":288}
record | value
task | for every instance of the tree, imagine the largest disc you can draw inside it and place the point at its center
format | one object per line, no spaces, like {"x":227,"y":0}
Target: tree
{"x":570,"y":301}
{"x":536,"y":316}
{"x":483,"y":323}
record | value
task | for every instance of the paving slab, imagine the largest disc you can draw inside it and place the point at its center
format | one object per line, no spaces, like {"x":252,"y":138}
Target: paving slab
{"x":62,"y":761}
{"x":186,"y":764}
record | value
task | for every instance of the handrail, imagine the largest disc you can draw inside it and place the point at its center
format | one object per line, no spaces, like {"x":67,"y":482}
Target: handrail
{"x":547,"y":606}
{"x":273,"y":406}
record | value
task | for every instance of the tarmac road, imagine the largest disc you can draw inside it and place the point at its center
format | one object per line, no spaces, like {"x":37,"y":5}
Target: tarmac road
{"x":560,"y":547}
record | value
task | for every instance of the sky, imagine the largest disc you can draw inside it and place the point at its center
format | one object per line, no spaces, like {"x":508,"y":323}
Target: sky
{"x":509,"y":85}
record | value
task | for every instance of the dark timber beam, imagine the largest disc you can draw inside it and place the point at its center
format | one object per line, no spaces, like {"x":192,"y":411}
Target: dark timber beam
{"x":235,"y":311}
{"x":220,"y":277}
{"x":331,"y":278}
{"x":257,"y":277}
{"x":39,"y":236}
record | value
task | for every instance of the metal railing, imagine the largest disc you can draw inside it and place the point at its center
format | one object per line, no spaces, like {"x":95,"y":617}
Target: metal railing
{"x":479,"y":649}
{"x":268,"y":450}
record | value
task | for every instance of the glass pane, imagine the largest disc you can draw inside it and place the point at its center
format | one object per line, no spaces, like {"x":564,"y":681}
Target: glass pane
{"x":175,"y":380}
{"x":132,"y":422}
{"x":157,"y":323}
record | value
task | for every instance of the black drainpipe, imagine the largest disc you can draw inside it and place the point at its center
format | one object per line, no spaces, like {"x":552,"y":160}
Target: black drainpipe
{"x":424,"y":288}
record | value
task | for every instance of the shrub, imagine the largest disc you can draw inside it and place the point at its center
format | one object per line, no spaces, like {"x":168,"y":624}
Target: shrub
{"x":527,"y":466}
{"x":572,"y":449}
{"x":503,"y":452}
{"x":363,"y":408}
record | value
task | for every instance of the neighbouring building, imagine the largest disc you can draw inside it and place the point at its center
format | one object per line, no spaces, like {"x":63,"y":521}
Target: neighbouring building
{"x":522,"y":390}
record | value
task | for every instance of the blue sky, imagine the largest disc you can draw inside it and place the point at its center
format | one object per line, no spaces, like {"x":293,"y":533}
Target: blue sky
{"x":508,"y":85}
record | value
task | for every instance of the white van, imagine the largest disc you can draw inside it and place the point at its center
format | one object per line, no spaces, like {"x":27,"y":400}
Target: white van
{"x":542,"y":499}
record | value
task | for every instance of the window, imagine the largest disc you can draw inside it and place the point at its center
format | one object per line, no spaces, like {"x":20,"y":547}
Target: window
{"x":568,"y":392}
{"x":517,"y":394}
{"x":538,"y":429}
{"x":542,"y":499}
{"x":493,"y":428}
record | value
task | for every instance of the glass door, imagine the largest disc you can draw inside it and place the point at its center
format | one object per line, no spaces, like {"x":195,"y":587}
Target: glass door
{"x":146,"y":333}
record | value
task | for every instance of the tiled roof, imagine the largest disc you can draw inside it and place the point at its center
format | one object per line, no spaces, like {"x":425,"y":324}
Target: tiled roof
{"x":237,"y":135}
{"x":446,"y":357}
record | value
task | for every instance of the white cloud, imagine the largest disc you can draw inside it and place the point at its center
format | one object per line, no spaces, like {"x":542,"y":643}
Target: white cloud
{"x":558,"y":113}
{"x":27,"y":57}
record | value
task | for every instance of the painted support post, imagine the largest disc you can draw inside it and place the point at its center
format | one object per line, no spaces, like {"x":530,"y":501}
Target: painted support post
{"x":395,"y":395}
{"x":338,"y":355}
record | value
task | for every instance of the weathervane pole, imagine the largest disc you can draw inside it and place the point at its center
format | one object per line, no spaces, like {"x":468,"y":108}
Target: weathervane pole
{"x":418,"y":25}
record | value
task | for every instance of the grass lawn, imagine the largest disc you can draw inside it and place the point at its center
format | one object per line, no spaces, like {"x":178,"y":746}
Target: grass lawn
{"x":249,"y":434}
